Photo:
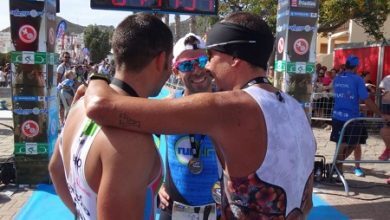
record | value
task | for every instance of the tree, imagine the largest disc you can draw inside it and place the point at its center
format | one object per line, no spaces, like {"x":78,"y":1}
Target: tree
{"x":5,"y":58}
{"x":370,"y":14}
{"x":98,"y":42}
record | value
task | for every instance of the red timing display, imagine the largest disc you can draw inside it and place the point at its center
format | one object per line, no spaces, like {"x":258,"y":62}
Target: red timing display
{"x":167,"y":6}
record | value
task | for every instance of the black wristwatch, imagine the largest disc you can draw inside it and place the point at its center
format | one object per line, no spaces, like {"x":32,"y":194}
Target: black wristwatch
{"x":100,"y":76}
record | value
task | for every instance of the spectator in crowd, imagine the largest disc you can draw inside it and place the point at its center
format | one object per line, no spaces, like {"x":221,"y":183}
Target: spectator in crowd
{"x":3,"y":80}
{"x":371,"y":88}
{"x":104,"y":67}
{"x":349,"y":89}
{"x":327,"y":80}
{"x":66,"y":90}
{"x":8,"y":71}
{"x":385,"y":107}
{"x":64,"y":66}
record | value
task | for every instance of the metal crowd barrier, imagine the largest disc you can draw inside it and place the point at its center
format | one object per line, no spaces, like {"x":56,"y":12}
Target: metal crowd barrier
{"x":354,"y":129}
{"x":323,"y":103}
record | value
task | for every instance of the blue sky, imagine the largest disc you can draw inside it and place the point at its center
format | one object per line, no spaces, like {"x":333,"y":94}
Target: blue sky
{"x":75,"y":11}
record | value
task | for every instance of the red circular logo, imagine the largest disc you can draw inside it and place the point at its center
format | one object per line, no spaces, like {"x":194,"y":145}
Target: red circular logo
{"x":281,"y":45}
{"x":27,"y":34}
{"x":30,"y":128}
{"x":301,"y":46}
{"x":51,"y":36}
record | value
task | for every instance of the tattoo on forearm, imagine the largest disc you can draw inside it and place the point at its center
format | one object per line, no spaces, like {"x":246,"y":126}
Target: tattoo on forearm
{"x":125,"y":121}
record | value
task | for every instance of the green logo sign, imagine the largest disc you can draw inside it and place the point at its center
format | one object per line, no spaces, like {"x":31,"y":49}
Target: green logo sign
{"x":30,"y":57}
{"x":301,"y":68}
{"x":280,"y":66}
{"x":31,"y":148}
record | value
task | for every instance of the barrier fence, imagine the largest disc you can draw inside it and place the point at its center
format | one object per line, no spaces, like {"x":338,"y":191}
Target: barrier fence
{"x":323,"y":103}
{"x":354,"y":131}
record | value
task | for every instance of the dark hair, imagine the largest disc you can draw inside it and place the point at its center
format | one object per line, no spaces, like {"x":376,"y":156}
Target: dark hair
{"x":138,"y":39}
{"x":191,"y":40}
{"x":365,"y":73}
{"x":65,"y":53}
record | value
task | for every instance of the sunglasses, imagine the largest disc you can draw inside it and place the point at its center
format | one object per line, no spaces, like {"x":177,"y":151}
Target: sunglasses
{"x":189,"y":65}
{"x":67,"y":57}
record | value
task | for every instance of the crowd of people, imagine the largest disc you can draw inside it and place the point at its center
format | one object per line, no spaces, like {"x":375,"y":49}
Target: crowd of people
{"x":5,"y":75}
{"x":71,"y":75}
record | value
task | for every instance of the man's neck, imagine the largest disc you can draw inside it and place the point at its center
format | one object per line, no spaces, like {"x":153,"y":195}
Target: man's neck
{"x":136,"y":81}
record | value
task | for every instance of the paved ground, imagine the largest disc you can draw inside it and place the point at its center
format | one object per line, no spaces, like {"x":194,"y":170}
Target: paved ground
{"x":370,"y":197}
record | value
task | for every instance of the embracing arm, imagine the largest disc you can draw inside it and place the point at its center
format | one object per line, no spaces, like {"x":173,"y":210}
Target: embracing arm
{"x":201,"y":113}
{"x":57,"y":174}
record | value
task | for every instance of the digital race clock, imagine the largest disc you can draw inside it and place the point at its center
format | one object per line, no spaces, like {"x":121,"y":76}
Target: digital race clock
{"x":168,"y":6}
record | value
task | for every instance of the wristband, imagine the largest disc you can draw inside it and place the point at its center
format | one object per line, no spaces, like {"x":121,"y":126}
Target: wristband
{"x":99,"y":76}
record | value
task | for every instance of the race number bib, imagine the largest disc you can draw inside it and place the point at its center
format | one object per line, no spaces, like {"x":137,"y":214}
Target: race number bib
{"x":181,"y":211}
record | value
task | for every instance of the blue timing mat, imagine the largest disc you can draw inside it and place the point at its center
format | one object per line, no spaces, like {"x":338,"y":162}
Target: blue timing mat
{"x":44,"y":204}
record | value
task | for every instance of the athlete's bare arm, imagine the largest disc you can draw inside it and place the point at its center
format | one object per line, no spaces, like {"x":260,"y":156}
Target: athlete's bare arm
{"x":233,"y":119}
{"x":203,"y":113}
{"x":57,"y":174}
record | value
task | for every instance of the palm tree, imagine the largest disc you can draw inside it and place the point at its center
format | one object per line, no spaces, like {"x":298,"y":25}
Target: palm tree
{"x":177,"y":27}
{"x":192,"y":24}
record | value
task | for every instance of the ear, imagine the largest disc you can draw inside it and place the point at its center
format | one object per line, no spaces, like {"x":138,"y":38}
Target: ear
{"x":236,"y":62}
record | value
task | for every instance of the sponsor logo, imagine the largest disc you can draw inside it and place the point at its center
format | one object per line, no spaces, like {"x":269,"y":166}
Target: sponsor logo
{"x":300,"y":67}
{"x":282,"y":14}
{"x":307,"y":3}
{"x":33,"y":13}
{"x":303,"y":14}
{"x":301,"y":46}
{"x":35,"y":111}
{"x":281,"y":45}
{"x":29,"y":98}
{"x":183,"y":150}
{"x":30,"y":128}
{"x":297,"y":28}
{"x":27,"y":34}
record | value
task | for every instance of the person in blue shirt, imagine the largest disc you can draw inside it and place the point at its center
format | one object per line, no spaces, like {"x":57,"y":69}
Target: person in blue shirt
{"x":349,"y":90}
{"x":191,"y":160}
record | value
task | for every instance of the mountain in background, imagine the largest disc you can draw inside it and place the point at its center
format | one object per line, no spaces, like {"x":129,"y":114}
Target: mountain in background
{"x":71,"y":27}
{"x":184,"y":27}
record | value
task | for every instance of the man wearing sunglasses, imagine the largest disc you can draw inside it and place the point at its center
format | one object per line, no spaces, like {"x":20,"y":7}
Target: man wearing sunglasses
{"x":63,"y":67}
{"x":191,"y":161}
{"x":263,"y":134}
